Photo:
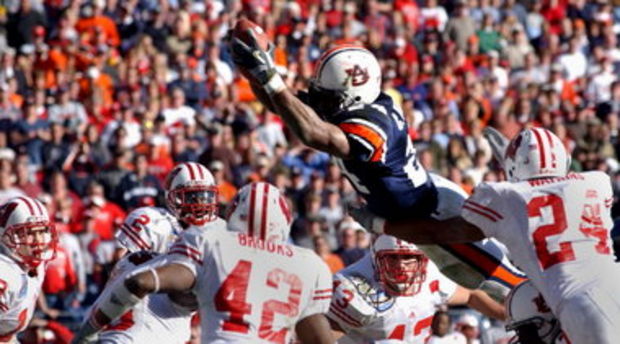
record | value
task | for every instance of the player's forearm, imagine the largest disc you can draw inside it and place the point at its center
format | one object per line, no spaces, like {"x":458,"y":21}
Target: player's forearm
{"x":308,"y":126}
{"x":431,"y":231}
{"x":484,"y":304}
{"x":314,"y":329}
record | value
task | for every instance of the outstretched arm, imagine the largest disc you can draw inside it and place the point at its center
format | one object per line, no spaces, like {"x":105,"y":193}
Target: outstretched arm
{"x":126,"y":293}
{"x":308,"y":126}
{"x":480,"y":301}
{"x":431,"y":231}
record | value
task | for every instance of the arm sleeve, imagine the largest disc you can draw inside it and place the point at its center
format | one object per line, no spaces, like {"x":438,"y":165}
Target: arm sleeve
{"x":347,"y":307}
{"x":367,"y":139}
{"x":321,"y":293}
{"x":485,"y":209}
{"x":441,"y":287}
{"x":189,"y":251}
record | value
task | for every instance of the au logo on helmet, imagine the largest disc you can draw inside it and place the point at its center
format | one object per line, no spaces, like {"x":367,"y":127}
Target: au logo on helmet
{"x":357,"y":75}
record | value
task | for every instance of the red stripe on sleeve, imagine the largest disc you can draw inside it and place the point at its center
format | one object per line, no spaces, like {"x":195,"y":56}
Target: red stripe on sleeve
{"x":465,"y":206}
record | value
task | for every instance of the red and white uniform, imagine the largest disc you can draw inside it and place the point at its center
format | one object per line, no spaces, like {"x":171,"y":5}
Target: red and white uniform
{"x":249,"y":290}
{"x":558,"y":230}
{"x":18,"y":297}
{"x":368,"y":315}
{"x":155,"y":319}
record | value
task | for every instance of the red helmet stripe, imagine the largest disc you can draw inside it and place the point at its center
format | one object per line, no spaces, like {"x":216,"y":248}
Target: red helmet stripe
{"x":285,"y":210}
{"x":39,"y":207}
{"x":5,"y":212}
{"x":30,"y":207}
{"x":192,"y":174}
{"x":199,"y":168}
{"x":251,"y":212}
{"x":553,"y":157}
{"x":541,"y":148}
{"x":263,"y":220}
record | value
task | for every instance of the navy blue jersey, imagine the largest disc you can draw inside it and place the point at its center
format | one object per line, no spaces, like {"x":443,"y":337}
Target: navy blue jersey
{"x":383,"y":165}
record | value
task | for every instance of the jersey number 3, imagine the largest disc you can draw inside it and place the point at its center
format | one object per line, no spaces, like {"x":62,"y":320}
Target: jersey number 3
{"x":231,"y":297}
{"x":566,"y":253}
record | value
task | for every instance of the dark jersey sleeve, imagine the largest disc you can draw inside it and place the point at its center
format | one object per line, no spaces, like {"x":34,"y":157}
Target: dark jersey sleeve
{"x":367,"y":133}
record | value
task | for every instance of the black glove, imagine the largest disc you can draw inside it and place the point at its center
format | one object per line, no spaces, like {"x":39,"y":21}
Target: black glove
{"x":367,"y":219}
{"x":250,"y":57}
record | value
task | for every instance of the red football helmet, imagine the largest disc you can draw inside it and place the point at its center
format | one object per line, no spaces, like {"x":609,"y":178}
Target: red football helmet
{"x":400,"y":266}
{"x":27,"y":233}
{"x":191,"y":193}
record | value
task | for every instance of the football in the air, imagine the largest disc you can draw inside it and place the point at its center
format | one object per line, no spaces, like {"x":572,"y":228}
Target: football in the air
{"x":242,"y":29}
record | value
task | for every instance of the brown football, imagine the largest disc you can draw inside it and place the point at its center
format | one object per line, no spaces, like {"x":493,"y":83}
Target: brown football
{"x":241,"y":32}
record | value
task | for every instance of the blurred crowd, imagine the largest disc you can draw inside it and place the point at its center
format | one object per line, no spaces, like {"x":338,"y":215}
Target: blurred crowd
{"x":100,"y":99}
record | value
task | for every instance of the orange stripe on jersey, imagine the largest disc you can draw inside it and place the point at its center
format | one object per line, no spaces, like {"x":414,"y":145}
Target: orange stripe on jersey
{"x":481,"y":261}
{"x":369,"y":135}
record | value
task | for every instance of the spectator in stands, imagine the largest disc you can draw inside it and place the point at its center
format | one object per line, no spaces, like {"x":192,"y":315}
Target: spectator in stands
{"x":322,"y":248}
{"x":442,"y":330}
{"x":348,"y":248}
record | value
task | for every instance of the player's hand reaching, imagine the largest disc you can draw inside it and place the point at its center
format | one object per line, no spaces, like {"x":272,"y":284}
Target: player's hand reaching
{"x":252,"y":59}
{"x":252,"y":53}
{"x":499,"y":143}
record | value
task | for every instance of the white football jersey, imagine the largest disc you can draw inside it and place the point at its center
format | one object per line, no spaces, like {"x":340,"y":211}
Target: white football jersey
{"x":251,"y":291}
{"x":18,"y":297}
{"x":367,"y":314}
{"x":155,"y":319}
{"x":556,"y":229}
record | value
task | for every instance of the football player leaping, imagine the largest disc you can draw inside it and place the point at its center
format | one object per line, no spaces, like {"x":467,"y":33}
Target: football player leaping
{"x":345,"y":114}
{"x":28,"y":240}
{"x":393,"y":292}
{"x":251,"y":285}
{"x":557,"y":226}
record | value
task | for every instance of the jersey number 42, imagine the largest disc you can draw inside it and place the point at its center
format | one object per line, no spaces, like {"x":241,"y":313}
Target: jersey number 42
{"x":231,"y":298}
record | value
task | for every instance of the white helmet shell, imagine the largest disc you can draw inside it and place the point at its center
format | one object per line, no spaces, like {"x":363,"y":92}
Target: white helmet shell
{"x":352,"y":70}
{"x":191,"y":193}
{"x":260,"y":210}
{"x":148,"y":229}
{"x":19,"y":218}
{"x":535,"y":153}
{"x":526,"y":307}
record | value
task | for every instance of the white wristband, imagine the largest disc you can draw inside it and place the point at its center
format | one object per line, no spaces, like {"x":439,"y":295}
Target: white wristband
{"x":118,"y":301}
{"x":274,"y":85}
{"x":156,"y":280}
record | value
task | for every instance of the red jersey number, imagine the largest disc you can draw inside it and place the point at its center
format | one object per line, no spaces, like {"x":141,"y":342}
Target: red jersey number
{"x":590,"y":228}
{"x":231,"y":297}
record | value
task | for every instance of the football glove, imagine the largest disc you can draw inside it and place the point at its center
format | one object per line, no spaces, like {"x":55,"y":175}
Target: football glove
{"x":498,"y":143}
{"x":367,"y":219}
{"x":257,"y":63}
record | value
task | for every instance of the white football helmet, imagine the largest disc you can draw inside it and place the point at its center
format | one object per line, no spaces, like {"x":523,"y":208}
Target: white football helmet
{"x":148,"y":229}
{"x":28,"y":236}
{"x":399,"y":265}
{"x":345,"y":75}
{"x":535,"y":153}
{"x":260,"y":211}
{"x":530,"y":317}
{"x":191,"y":193}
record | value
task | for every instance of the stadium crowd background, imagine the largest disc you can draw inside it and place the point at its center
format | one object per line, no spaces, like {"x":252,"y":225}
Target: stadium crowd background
{"x":100,"y":99}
